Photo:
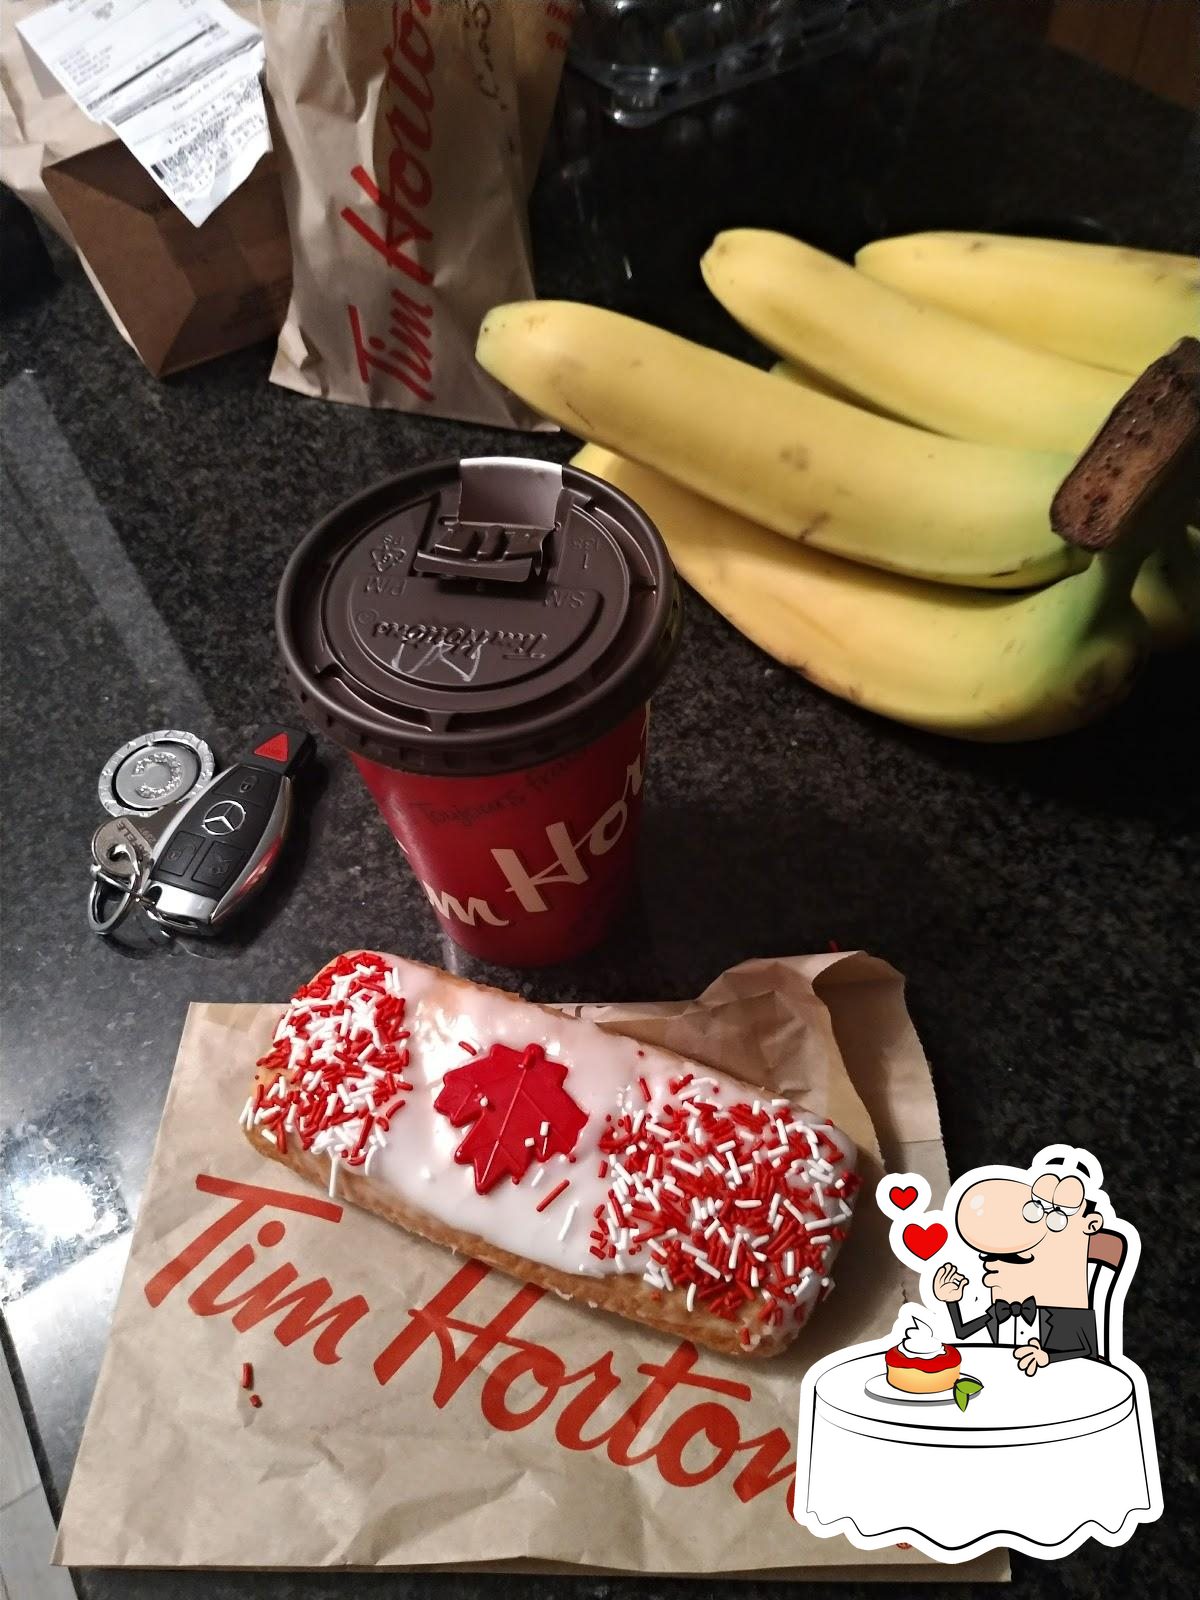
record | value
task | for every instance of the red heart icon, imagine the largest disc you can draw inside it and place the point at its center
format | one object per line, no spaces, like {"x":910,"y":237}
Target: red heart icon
{"x":924,"y":1242}
{"x":902,"y":1198}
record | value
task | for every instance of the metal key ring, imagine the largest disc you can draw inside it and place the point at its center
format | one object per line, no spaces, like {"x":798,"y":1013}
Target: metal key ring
{"x":104,"y":925}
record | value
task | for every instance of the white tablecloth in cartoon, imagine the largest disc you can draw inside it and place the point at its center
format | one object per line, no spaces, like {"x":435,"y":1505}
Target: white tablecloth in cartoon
{"x":1035,"y":1456}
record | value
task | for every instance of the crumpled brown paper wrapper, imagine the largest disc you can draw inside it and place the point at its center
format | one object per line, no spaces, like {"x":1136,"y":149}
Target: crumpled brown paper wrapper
{"x":177,"y":1469}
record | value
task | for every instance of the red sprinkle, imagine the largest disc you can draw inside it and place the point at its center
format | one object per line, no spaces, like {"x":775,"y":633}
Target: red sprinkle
{"x":553,"y":1195}
{"x":717,"y":1203}
{"x":645,"y":1087}
{"x":319,"y":1056}
{"x":247,"y":1375}
{"x":255,"y":1401}
{"x":471,"y":1049}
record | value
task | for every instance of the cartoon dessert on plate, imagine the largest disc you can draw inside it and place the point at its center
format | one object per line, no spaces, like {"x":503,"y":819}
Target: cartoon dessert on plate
{"x":922,"y":1370}
{"x":921,"y":1363}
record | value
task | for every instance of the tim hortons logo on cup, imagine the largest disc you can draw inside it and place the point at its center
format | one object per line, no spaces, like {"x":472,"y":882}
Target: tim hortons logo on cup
{"x":680,"y":1421}
{"x":401,"y":195}
{"x":569,"y":862}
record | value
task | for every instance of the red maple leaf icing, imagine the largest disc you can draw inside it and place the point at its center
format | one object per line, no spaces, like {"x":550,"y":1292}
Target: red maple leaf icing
{"x":519,"y":1108}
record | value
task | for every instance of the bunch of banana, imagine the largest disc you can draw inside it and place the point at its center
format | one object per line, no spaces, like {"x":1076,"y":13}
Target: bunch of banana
{"x":887,"y":588}
{"x":808,"y":466}
{"x":916,"y":360}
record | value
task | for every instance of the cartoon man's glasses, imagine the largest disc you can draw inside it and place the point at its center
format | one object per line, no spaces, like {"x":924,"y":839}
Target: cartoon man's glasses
{"x":1034,"y":1210}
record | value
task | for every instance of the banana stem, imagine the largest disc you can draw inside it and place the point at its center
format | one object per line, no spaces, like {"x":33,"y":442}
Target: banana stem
{"x":1135,"y":485}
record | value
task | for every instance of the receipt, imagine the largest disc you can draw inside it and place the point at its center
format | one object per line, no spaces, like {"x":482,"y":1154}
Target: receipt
{"x":176,"y":80}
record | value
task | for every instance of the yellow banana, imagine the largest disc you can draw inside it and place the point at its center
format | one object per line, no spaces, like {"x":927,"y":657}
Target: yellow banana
{"x":1099,"y":303}
{"x":955,"y":661}
{"x":1167,"y":588}
{"x":810,"y":467}
{"x":807,"y":379}
{"x":903,"y":355}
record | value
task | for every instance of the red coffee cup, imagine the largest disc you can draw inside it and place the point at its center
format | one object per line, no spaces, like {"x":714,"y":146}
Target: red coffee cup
{"x":483,"y":638}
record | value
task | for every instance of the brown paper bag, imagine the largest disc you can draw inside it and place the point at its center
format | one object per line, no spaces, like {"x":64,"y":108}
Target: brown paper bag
{"x":543,"y":32}
{"x":422,"y":1410}
{"x":178,"y":294}
{"x":404,"y":167}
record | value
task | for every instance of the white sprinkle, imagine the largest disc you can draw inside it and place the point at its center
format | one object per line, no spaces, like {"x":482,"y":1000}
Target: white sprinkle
{"x":570,"y":1218}
{"x":691,"y":1297}
{"x":707,"y":1266}
{"x":686,"y":1166}
{"x":748,"y":1204}
{"x":543,"y":1130}
{"x":333,"y":1174}
{"x":733,"y":1254}
{"x":733,"y":1167}
{"x":537,"y":1177}
{"x":529,"y":1144}
{"x":773,"y":1211}
{"x":485,"y":1104}
{"x":796,"y":1212}
{"x":711,"y":1229}
{"x":754,"y":1277}
{"x":729,"y":1144}
{"x":781,"y":1130}
{"x":789,"y":1263}
{"x":819,"y":1239}
{"x":686,"y":1244}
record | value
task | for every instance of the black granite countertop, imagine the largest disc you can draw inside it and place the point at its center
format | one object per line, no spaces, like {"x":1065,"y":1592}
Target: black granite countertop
{"x":1042,"y":900}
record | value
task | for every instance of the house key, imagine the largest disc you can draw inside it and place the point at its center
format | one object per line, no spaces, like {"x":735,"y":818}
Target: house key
{"x":122,"y":848}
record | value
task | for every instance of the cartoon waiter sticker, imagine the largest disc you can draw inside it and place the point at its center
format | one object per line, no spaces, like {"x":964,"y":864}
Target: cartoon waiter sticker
{"x":1033,"y":1239}
{"x":935,"y":1439}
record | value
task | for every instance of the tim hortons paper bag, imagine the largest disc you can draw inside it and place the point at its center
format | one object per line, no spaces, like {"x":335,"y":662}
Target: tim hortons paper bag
{"x":543,"y":32}
{"x":178,"y":294}
{"x":398,"y":133}
{"x":418,"y":1409}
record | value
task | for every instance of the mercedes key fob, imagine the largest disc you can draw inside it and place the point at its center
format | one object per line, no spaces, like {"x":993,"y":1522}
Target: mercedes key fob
{"x":222,"y":845}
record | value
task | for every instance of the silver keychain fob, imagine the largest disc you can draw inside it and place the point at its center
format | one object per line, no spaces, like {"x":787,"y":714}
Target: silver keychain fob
{"x":221,"y":846}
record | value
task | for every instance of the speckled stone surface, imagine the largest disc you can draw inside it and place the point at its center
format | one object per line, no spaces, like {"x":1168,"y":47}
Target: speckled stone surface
{"x":1041,"y":900}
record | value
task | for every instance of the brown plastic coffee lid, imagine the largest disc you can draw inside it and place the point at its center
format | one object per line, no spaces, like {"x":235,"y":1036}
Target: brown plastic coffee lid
{"x":477,"y":616}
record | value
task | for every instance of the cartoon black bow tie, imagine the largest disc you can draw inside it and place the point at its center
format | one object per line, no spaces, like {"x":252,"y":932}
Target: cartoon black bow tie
{"x":1026,"y":1309}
